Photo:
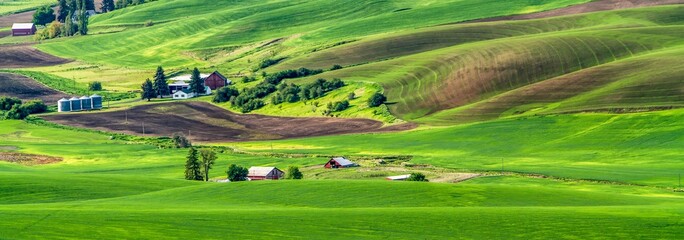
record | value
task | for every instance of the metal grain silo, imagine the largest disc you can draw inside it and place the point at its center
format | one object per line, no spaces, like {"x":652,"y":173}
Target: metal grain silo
{"x":63,"y":105}
{"x":86,"y":103}
{"x":75,"y":104}
{"x":97,"y":101}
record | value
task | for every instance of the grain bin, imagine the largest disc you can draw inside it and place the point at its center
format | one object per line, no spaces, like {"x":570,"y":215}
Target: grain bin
{"x":63,"y":105}
{"x":75,"y":104}
{"x":97,"y":101}
{"x":86,"y":103}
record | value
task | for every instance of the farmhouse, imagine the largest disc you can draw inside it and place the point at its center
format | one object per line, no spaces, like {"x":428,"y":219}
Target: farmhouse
{"x":398,"y":178}
{"x":178,"y":86}
{"x":265,"y":173}
{"x":22,"y":29}
{"x":183,"y":94}
{"x":340,"y":162}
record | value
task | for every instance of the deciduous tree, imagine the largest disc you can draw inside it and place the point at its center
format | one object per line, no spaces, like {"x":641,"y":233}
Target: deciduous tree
{"x":43,"y":15}
{"x":294,"y":173}
{"x":376,"y":99}
{"x":237,"y":173}
{"x":208,"y":159}
{"x":107,"y":6}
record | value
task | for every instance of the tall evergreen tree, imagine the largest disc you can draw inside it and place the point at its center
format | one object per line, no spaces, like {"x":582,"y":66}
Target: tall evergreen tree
{"x":161,"y":87}
{"x":107,"y":6}
{"x":147,"y":90}
{"x":196,"y":83}
{"x":63,"y":10}
{"x":193,"y":166}
{"x":72,"y":5}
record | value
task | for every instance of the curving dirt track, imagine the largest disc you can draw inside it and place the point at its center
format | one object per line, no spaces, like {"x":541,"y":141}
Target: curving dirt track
{"x":594,"y":6}
{"x":24,"y":55}
{"x":207,"y":123}
{"x":24,"y":88}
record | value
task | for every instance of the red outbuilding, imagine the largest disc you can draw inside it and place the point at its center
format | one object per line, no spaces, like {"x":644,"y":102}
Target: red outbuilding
{"x":23,"y":29}
{"x":340,"y":162}
{"x":215,"y":81}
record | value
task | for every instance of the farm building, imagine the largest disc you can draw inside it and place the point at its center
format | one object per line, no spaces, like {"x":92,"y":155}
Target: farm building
{"x":265,"y":173}
{"x":398,"y":178}
{"x":340,"y":162}
{"x":75,"y":104}
{"x":183,"y":94}
{"x":22,"y":29}
{"x":214,"y":80}
{"x":178,"y":86}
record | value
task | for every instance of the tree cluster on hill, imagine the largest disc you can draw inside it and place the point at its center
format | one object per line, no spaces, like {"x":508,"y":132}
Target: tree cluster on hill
{"x":196,"y":168}
{"x":336,"y":107}
{"x":225,"y":94}
{"x":250,"y":99}
{"x":119,"y":4}
{"x":72,"y":19}
{"x":13,"y":108}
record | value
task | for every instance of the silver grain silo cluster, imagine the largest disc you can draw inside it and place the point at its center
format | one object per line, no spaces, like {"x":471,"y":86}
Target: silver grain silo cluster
{"x":84,"y":103}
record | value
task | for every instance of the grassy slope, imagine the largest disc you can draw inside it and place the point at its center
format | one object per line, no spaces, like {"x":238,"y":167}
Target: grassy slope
{"x":15,"y":6}
{"x":185,"y":25}
{"x":489,"y":59}
{"x":636,"y":148}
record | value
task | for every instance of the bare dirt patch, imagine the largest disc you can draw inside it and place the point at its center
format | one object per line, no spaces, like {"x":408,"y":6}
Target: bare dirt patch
{"x":24,"y":55}
{"x":28,"y":159}
{"x":25,"y":88}
{"x":594,"y":6}
{"x":8,"y":148}
{"x":25,"y":17}
{"x":204,"y":122}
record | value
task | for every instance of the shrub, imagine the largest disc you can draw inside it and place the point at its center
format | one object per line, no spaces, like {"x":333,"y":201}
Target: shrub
{"x":293,"y":173}
{"x":95,"y":86}
{"x":180,"y":141}
{"x":269,"y":62}
{"x":224,"y":94}
{"x":336,"y":67}
{"x":16,"y":112}
{"x":6,"y":103}
{"x":338,"y":106}
{"x":351,"y":96}
{"x":417,"y":177}
{"x":149,"y":23}
{"x":376,"y":99}
{"x":35,"y":106}
{"x":247,"y":79}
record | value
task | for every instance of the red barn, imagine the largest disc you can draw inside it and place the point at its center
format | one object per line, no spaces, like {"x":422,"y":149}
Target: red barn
{"x":22,"y":29}
{"x":265,"y":173}
{"x":215,"y":81}
{"x":340,"y":162}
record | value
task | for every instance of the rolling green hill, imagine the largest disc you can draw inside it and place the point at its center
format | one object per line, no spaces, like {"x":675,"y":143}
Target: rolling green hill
{"x":432,"y":73}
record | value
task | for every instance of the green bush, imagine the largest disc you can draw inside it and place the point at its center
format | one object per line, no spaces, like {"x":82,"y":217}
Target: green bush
{"x":376,"y":99}
{"x":224,"y":94}
{"x":35,"y":106}
{"x":95,"y":86}
{"x":6,"y":103}
{"x":417,"y":177}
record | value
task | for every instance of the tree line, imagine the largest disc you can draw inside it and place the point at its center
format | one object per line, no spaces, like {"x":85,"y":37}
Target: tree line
{"x":198,"y":164}
{"x":14,"y":108}
{"x":71,"y":19}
